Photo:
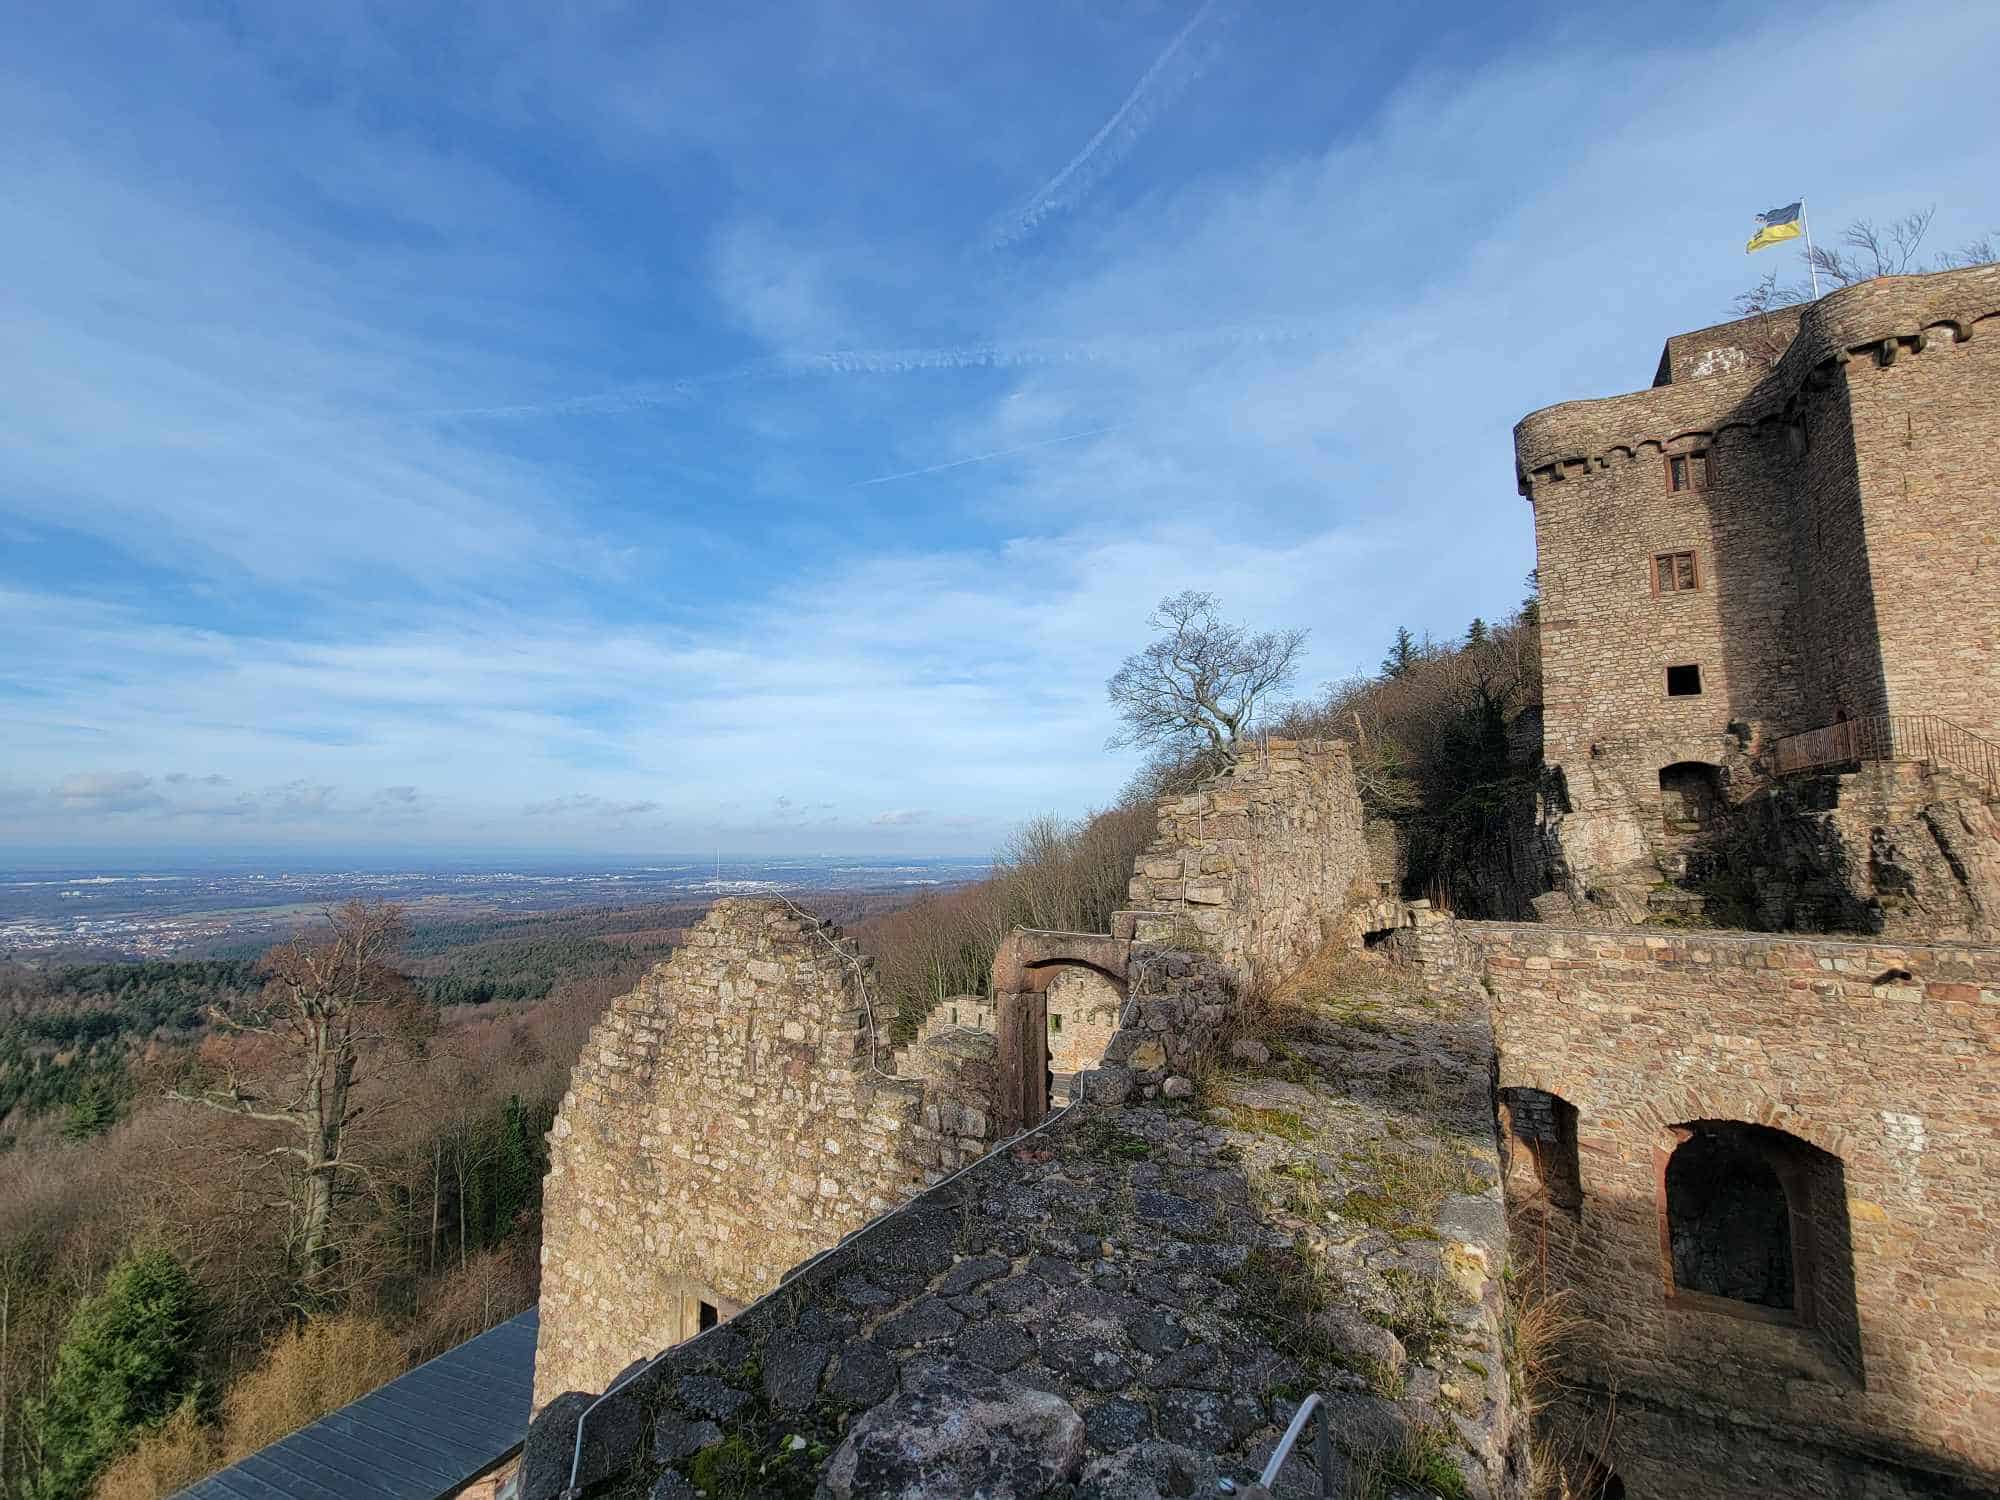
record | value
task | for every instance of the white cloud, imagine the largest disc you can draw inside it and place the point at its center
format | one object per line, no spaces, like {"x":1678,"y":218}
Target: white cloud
{"x":106,"y":792}
{"x":586,"y":805}
{"x":903,"y":818}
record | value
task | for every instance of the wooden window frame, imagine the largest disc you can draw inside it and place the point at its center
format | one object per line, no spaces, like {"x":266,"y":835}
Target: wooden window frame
{"x":1694,"y":565}
{"x":1700,"y":471}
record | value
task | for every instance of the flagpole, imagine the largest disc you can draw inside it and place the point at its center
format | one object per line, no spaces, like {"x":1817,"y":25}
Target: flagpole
{"x":1812,"y":265}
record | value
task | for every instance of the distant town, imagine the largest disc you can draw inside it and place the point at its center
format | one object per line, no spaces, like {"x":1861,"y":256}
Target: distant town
{"x":98,"y":912}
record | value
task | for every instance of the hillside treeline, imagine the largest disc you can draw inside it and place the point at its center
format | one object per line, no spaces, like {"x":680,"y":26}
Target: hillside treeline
{"x":152,"y":1291}
{"x":1052,"y":873}
{"x":1446,"y":738}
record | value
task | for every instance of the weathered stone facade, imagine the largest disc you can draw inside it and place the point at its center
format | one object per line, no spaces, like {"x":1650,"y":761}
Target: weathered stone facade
{"x":1832,"y":552}
{"x":1863,"y":1075}
{"x":727,"y":1120}
{"x":1261,"y":864}
{"x":1128,"y":1304}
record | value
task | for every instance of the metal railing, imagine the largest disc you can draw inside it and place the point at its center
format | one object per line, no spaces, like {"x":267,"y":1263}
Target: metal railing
{"x":1922,"y":737}
{"x":1322,"y":1446}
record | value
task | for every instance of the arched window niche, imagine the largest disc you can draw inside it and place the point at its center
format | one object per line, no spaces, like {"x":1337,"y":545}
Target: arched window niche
{"x":1753,"y":1224}
{"x":1541,"y":1127}
{"x":1691,"y":797}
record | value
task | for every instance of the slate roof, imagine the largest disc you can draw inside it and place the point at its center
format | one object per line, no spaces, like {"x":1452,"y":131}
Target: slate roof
{"x":420,"y":1437}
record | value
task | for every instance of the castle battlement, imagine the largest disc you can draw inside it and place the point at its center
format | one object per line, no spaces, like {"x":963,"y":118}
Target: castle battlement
{"x":1732,"y":382}
{"x":1783,"y":536}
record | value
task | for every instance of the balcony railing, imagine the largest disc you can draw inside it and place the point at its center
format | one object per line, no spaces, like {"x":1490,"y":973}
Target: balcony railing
{"x":1921,"y":737}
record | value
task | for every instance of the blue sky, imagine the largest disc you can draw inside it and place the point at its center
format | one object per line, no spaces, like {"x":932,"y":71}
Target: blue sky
{"x":628,"y":429}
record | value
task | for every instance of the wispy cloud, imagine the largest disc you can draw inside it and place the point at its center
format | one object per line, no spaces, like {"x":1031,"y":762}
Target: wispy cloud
{"x":588,"y":805}
{"x":1179,"y":64}
{"x":980,"y":458}
{"x":265,"y":577}
{"x":106,"y":792}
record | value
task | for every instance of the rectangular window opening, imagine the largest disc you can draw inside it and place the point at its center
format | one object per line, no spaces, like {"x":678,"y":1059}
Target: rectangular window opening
{"x":1684,"y":681}
{"x":1674,"y":573}
{"x":708,"y":1317}
{"x":1055,"y":1023}
{"x":1688,"y":471}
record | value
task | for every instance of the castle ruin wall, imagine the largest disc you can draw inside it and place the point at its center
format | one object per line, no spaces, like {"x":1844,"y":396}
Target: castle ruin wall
{"x":1872,"y":1063}
{"x":728,"y":1119}
{"x":1261,"y":864}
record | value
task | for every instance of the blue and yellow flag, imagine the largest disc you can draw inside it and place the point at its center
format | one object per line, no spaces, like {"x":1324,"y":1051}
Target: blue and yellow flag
{"x":1775,"y":226}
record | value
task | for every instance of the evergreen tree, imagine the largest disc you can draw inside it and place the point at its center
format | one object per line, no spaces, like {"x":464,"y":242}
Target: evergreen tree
{"x":126,"y":1363}
{"x":1475,"y":633}
{"x":94,"y":1109}
{"x":1402,"y":654}
{"x":518,"y":1168}
{"x":1531,"y":607}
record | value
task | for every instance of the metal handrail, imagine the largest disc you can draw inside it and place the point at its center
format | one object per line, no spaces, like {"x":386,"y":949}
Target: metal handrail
{"x":1322,"y":1446}
{"x":1917,"y":737}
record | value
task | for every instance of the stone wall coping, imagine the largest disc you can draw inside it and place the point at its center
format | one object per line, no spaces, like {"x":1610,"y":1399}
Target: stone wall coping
{"x":1854,"y":319}
{"x":1730,"y":937}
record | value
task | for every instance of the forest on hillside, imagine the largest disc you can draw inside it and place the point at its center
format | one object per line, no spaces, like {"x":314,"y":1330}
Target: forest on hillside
{"x":177,"y":1227}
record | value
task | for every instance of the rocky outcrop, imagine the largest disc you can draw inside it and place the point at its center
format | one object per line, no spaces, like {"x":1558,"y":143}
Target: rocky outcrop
{"x":1894,"y":849}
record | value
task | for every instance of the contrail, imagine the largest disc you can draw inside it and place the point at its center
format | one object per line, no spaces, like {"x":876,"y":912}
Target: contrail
{"x":1107,"y":349}
{"x":980,"y":458}
{"x":1161,"y":84}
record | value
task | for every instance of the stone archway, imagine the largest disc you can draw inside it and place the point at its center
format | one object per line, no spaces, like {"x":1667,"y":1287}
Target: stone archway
{"x":1087,"y":971}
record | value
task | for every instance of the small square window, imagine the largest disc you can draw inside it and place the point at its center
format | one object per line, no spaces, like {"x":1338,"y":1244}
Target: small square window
{"x":708,"y":1317}
{"x":1684,"y":681}
{"x":1688,"y":471}
{"x":1674,"y":573}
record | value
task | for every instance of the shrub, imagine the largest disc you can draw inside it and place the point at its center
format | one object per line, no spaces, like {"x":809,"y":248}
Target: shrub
{"x":167,"y":1460}
{"x":304,"y":1374}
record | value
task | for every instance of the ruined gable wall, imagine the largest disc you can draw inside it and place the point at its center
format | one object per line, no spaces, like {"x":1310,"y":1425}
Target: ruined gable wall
{"x":723,"y":1124}
{"x":1640,"y":1031}
{"x":1261,"y":862}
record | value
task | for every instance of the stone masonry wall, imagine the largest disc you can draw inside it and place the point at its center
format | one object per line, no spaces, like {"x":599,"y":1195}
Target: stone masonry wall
{"x":1846,"y":555}
{"x":1130,"y":1302}
{"x":1261,"y":862}
{"x":724,"y":1122}
{"x":1880,"y":1055}
{"x":1926,"y":420}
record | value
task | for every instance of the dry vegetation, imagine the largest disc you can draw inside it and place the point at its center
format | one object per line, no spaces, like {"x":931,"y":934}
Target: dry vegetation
{"x":433,"y":1241}
{"x":1066,"y":877}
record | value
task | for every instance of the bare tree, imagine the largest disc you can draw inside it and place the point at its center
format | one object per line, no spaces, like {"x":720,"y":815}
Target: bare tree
{"x":1197,"y":688}
{"x":1864,"y":251}
{"x":333,"y":1000}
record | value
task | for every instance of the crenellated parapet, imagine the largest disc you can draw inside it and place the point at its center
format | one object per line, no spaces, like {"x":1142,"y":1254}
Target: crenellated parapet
{"x":1881,"y":320}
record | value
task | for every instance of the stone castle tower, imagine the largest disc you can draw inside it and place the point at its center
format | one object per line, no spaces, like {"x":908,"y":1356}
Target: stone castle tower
{"x":1795,"y":530}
